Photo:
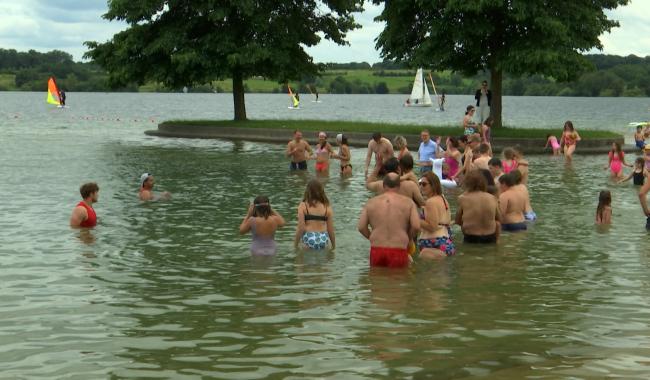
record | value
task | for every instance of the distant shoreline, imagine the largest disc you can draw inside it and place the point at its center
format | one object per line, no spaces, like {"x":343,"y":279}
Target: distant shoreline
{"x":359,"y":133}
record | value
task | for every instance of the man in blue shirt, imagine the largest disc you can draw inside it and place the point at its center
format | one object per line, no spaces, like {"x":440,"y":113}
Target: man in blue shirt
{"x":428,"y":150}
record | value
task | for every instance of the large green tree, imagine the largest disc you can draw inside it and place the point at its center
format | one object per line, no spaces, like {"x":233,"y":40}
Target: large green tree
{"x":513,"y":36}
{"x":185,"y":42}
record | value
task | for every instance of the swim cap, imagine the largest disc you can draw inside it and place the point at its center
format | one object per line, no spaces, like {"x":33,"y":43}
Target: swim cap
{"x":143,"y":178}
{"x":339,"y":137}
{"x":322,"y":134}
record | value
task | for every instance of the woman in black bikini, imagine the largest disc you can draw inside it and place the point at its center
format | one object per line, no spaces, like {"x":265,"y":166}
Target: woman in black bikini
{"x":343,"y":155}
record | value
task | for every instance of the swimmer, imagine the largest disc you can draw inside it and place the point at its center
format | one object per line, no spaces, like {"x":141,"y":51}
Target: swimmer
{"x":315,"y":228}
{"x":435,"y":233}
{"x":406,"y":169}
{"x":323,"y":153}
{"x":616,"y":161}
{"x":478,"y":211}
{"x":639,"y":137}
{"x":382,"y":149}
{"x":146,"y":189}
{"x":604,"y":209}
{"x":508,"y":163}
{"x":400,"y":144}
{"x":299,"y":151}
{"x":83,"y":215}
{"x":482,"y":157}
{"x":552,"y":140}
{"x":638,"y":174}
{"x":496,"y":168}
{"x":343,"y":155}
{"x":389,"y":221}
{"x":569,"y":139}
{"x":262,"y":222}
{"x":512,"y":205}
{"x":408,"y":189}
{"x":529,"y":214}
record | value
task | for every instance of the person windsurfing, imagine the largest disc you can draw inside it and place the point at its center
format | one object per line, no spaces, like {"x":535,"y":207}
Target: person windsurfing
{"x":62,"y":97}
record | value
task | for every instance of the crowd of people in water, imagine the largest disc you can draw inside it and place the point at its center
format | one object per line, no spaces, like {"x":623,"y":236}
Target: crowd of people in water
{"x":411,"y":214}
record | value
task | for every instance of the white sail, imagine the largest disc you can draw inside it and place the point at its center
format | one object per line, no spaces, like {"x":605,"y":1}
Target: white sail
{"x":420,"y":93}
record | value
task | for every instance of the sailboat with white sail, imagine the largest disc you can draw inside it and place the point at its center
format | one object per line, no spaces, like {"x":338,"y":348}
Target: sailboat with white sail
{"x":420,"y":93}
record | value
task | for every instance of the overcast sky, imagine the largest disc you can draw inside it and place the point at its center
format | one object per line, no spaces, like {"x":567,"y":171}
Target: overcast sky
{"x":45,"y":25}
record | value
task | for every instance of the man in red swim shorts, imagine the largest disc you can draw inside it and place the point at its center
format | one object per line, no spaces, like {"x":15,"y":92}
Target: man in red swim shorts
{"x":393,"y":219}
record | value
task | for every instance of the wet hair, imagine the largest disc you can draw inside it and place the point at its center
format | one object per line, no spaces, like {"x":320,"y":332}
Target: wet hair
{"x":568,"y":124}
{"x":489,"y":121}
{"x":516,"y":174}
{"x":508,"y":180}
{"x":261,"y":207}
{"x":376,"y":136}
{"x":434,"y":182}
{"x":391,"y":165}
{"x":391,"y":181}
{"x":399,"y":142}
{"x":509,"y":153}
{"x":469,"y":108}
{"x":495,"y":161}
{"x":617,"y":149}
{"x":640,"y":161}
{"x":484,"y":148}
{"x":315,"y":193}
{"x":475,"y":181}
{"x":604,"y":199}
{"x":344,"y":140}
{"x":453,"y":142}
{"x":406,"y":163}
{"x":87,"y":189}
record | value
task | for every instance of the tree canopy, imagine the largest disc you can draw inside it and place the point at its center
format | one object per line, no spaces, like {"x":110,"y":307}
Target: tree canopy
{"x":515,"y":36}
{"x":186,"y":42}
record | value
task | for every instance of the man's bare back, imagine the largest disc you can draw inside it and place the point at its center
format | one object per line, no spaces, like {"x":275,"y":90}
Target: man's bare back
{"x":392,"y":217}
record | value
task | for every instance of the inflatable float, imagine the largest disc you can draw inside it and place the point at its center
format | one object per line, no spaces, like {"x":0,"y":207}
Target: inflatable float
{"x":437,"y":170}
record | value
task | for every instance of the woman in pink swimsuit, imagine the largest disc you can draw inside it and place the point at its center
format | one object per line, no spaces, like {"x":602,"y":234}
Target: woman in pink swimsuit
{"x":616,"y":161}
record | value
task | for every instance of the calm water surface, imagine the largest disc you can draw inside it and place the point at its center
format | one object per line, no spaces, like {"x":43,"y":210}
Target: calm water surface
{"x":169,"y":290}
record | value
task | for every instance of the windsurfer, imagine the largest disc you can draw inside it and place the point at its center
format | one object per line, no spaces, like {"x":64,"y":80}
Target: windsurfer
{"x":62,"y":97}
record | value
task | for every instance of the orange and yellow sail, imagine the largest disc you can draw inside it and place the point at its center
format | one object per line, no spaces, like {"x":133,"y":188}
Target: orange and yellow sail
{"x":53,"y":92}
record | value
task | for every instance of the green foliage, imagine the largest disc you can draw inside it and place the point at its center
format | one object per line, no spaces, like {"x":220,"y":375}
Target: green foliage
{"x":497,"y":36}
{"x":189,"y":42}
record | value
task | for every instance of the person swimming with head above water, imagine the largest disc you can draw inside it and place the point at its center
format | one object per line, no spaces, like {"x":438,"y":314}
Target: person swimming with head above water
{"x":315,"y":229}
{"x":146,"y":189}
{"x":478,"y":211}
{"x":262,"y":222}
{"x":512,"y":204}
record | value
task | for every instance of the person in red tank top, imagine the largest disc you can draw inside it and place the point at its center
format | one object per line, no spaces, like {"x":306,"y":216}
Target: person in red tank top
{"x":83,"y":215}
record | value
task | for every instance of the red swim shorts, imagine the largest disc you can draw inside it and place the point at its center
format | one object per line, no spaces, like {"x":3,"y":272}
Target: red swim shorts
{"x":389,"y":257}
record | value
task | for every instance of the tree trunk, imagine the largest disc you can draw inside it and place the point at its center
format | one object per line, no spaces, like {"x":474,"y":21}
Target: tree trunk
{"x":238,"y":95}
{"x":496,"y":106}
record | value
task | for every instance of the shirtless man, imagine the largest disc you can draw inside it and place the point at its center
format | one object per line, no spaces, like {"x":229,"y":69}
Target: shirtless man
{"x":146,"y":189}
{"x":383,"y":150}
{"x":483,"y":157}
{"x":297,"y":149}
{"x":407,"y":188}
{"x":473,"y":142}
{"x":393,"y":221}
{"x":478,"y":211}
{"x":512,"y":204}
{"x":83,"y":215}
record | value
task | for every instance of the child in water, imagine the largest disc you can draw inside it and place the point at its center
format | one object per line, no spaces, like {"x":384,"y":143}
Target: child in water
{"x":616,"y":161}
{"x":639,"y":173}
{"x":550,"y":139}
{"x":639,"y":138}
{"x":604,"y":209}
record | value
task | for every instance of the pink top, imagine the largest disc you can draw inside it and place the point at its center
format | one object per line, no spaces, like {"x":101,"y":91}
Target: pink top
{"x":554,"y":143}
{"x":508,"y":167}
{"x":453,"y":166}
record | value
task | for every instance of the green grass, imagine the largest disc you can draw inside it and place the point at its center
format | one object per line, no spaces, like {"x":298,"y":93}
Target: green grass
{"x":7,"y":82}
{"x":360,"y":126}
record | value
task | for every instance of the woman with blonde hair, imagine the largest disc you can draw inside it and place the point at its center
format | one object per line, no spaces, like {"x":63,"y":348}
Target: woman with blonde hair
{"x":315,"y":219}
{"x":400,"y":144}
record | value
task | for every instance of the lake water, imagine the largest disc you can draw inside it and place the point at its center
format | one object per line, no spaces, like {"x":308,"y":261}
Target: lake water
{"x":169,"y":290}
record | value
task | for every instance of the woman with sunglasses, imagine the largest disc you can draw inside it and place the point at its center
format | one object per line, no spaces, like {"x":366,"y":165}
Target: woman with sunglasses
{"x":435,"y":233}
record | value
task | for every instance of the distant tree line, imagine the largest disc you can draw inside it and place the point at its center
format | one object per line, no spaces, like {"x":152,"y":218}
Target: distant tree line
{"x":612,"y":76}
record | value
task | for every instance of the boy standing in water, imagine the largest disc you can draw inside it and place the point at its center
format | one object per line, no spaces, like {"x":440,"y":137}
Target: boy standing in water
{"x":639,"y":138}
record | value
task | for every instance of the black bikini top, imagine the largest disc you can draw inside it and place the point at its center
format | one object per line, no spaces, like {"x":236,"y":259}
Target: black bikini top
{"x":309,"y":216}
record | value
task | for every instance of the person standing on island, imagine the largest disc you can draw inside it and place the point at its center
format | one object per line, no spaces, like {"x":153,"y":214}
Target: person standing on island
{"x":483,"y":98}
{"x":393,"y":221}
{"x":428,"y":149}
{"x":83,"y":215}
{"x":297,"y":149}
{"x":383,"y":150}
{"x":146,"y":189}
